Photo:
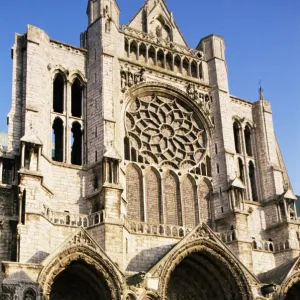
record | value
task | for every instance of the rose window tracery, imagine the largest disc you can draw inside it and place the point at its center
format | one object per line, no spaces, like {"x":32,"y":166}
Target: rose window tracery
{"x":165,"y":132}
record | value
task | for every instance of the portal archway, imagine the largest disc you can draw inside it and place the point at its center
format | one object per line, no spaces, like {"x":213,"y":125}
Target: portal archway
{"x":202,"y":270}
{"x":81,"y":273}
{"x":290,"y":289}
{"x":294,"y":292}
{"x":79,"y":281}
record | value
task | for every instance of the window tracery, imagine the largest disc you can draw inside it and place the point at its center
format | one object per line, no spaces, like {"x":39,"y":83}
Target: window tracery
{"x":164,"y":132}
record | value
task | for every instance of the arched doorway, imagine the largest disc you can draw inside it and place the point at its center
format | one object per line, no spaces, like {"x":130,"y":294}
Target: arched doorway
{"x":80,"y":281}
{"x":203,"y":270}
{"x":294,"y":292}
{"x":81,"y":272}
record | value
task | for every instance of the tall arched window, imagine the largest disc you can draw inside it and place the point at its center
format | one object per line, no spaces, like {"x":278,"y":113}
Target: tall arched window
{"x":57,"y":140}
{"x":76,"y":101}
{"x":194,"y":68}
{"x":241,"y":169}
{"x":177,"y":64}
{"x":204,"y":197}
{"x":169,"y":61}
{"x":134,"y":193}
{"x":58,"y":93}
{"x":143,"y":52}
{"x":76,"y":142}
{"x":253,"y":181}
{"x":151,"y":56}
{"x":153,"y":197}
{"x":248,"y":141}
{"x":190,"y":203}
{"x":172,"y":199}
{"x":133,"y":50}
{"x":185,"y":66}
{"x":160,"y":58}
{"x":237,"y":137}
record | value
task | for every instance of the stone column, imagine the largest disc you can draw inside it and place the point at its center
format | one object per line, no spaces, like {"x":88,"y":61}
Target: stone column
{"x":23,"y":155}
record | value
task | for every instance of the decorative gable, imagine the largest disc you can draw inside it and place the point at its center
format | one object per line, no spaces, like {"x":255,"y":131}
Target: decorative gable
{"x":155,"y":19}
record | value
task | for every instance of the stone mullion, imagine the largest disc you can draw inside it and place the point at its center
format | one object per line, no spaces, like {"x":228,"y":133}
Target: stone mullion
{"x":23,"y":155}
{"x":198,"y":70}
{"x":190,"y":68}
{"x":165,"y":60}
{"x":138,"y":51}
{"x":173,"y":61}
{"x":129,"y":43}
{"x":144,"y":200}
{"x":67,"y":149}
{"x":155,"y":59}
{"x":147,"y":53}
{"x":181,"y":65}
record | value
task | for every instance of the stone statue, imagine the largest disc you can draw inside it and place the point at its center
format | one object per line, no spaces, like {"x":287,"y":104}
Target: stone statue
{"x":123,"y":81}
{"x":130,"y":80}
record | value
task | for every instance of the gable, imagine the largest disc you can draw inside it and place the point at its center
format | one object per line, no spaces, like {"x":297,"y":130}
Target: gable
{"x":155,"y":19}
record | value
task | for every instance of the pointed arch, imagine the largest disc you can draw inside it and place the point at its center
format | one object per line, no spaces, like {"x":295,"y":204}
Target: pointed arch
{"x":177,"y":64}
{"x":154,"y":206}
{"x":76,"y":144}
{"x":185,"y":67}
{"x":58,"y":140}
{"x":76,"y":98}
{"x":172,"y":199}
{"x":84,"y":263}
{"x":134,"y":193}
{"x":237,"y":137}
{"x":160,"y":58}
{"x":169,"y":61}
{"x":252,"y":178}
{"x":151,"y":56}
{"x":194,"y":69}
{"x":204,"y":198}
{"x":133,"y":50}
{"x":190,"y":202}
{"x":58,"y":93}
{"x":201,"y":268}
{"x":241,"y":173}
{"x":142,"y":52}
{"x":248,"y":140}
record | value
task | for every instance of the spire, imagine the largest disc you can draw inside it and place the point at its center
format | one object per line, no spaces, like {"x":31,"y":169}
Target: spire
{"x":261,"y":91}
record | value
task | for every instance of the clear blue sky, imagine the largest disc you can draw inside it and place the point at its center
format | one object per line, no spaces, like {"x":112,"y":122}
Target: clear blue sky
{"x":262,"y":39}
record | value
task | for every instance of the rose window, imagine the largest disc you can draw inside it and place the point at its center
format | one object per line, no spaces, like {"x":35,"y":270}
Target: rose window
{"x":164,"y":132}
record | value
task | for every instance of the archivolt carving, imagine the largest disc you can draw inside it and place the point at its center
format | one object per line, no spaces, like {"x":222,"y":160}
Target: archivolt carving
{"x":288,"y":283}
{"x":90,"y":257}
{"x":165,"y":131}
{"x":210,"y":247}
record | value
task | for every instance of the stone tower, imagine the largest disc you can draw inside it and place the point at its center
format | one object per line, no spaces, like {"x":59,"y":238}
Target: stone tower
{"x":131,"y":172}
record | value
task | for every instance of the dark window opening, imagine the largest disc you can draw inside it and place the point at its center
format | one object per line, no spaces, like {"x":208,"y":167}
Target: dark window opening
{"x":208,"y":165}
{"x":252,"y":181}
{"x":185,"y":67}
{"x":58,"y":94}
{"x":127,"y":148}
{"x":76,"y":153}
{"x":160,"y":59}
{"x":247,"y":134}
{"x":7,"y":172}
{"x":23,"y":207}
{"x":194,"y":68}
{"x":77,"y":91}
{"x":177,"y":64}
{"x":203,"y":169}
{"x":14,"y":240}
{"x":241,"y":170}
{"x":57,"y":140}
{"x":237,"y":139}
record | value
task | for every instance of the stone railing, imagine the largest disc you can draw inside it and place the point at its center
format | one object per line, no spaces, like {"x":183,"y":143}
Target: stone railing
{"x":77,"y":220}
{"x":228,"y":236}
{"x":161,"y":42}
{"x":158,"y":229}
{"x":263,"y":245}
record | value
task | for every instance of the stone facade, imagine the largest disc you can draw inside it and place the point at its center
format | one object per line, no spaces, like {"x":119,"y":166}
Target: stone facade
{"x":132,"y":173}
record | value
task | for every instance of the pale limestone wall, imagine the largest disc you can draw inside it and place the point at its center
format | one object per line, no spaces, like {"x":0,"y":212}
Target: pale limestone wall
{"x":262,"y":261}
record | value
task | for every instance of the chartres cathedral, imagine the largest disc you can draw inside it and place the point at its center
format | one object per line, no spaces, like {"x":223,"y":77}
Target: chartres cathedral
{"x":131,"y":173}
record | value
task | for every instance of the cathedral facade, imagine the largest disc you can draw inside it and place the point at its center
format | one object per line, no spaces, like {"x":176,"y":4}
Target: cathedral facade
{"x":132,"y":173}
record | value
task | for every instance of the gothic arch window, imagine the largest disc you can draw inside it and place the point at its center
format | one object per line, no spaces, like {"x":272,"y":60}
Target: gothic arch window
{"x":237,"y":137}
{"x":160,"y":58}
{"x":248,"y":140}
{"x":29,"y":294}
{"x":143,"y":52}
{"x":172,"y":199}
{"x":126,"y":47}
{"x":133,"y":49}
{"x":194,"y":68}
{"x":153,"y":197}
{"x":208,"y":166}
{"x":76,"y":142}
{"x":253,"y":181}
{"x":177,"y":64}
{"x":190,"y":202}
{"x":241,"y":169}
{"x":58,"y":93}
{"x":76,"y":98}
{"x":204,"y":198}
{"x":169,"y":61}
{"x":151,"y":56}
{"x":134,"y":193}
{"x":201,"y":71}
{"x":57,"y":140}
{"x":185,"y":67}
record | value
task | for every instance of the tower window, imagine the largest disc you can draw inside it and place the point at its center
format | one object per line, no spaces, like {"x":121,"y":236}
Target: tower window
{"x":76,"y":101}
{"x":237,"y":138}
{"x":57,"y":140}
{"x":58,"y":94}
{"x":76,"y":153}
{"x":252,"y":181}
{"x":241,"y":169}
{"x":247,"y":134}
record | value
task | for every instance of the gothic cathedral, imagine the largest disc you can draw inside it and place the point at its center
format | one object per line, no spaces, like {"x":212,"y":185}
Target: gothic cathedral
{"x":131,"y":173}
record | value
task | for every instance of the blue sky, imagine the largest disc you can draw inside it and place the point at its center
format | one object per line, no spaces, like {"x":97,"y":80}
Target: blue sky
{"x":262,"y":40}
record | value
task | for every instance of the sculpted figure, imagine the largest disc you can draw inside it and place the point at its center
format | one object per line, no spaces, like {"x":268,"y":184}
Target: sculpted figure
{"x":123,"y":81}
{"x":130,"y":80}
